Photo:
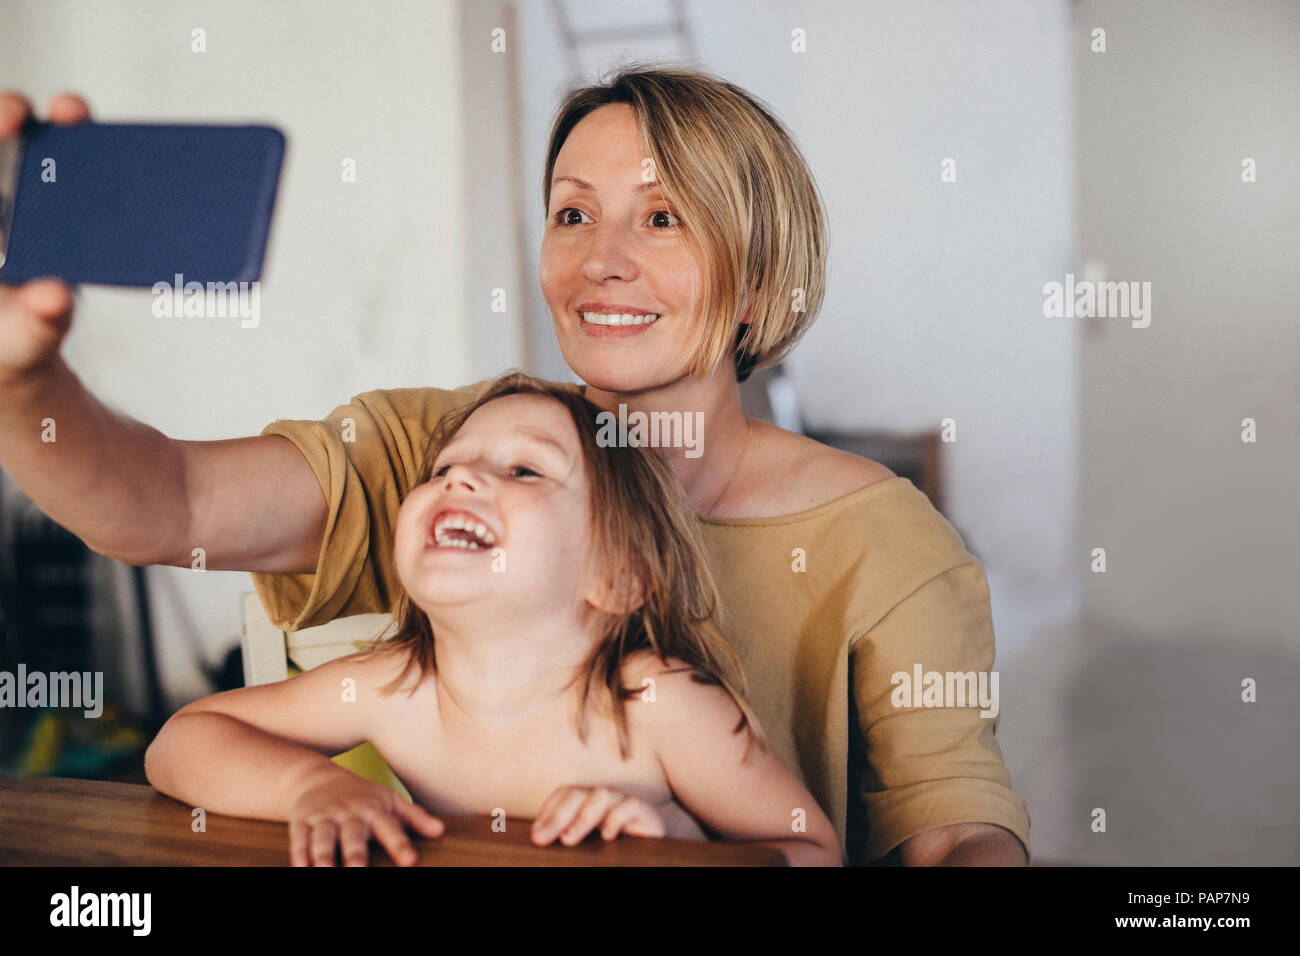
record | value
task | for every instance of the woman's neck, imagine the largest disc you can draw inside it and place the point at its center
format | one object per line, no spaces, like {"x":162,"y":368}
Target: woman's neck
{"x":720,"y":434}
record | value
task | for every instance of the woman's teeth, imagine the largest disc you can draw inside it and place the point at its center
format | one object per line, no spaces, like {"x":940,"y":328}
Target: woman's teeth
{"x":601,"y":318}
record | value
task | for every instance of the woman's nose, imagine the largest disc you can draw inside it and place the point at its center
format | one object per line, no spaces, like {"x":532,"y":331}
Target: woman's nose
{"x":610,"y":255}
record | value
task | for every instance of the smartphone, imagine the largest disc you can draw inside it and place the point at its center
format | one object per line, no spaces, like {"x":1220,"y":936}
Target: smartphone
{"x":133,"y":205}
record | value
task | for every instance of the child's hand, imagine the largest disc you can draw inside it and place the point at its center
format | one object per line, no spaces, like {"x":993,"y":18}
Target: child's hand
{"x":338,"y":808}
{"x":573,"y":812}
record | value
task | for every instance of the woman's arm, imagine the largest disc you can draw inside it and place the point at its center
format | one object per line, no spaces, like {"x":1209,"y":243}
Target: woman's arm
{"x":124,"y":488}
{"x":938,"y":789}
{"x":134,"y":494}
{"x":963,"y":844}
{"x":738,"y":790}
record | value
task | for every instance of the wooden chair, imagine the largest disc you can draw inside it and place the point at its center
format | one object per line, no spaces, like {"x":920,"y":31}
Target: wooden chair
{"x":268,"y":651}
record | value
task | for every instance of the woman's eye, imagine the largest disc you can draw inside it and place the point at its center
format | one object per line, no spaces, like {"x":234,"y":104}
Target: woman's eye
{"x":656,"y":218}
{"x":524,"y":468}
{"x":563,"y":218}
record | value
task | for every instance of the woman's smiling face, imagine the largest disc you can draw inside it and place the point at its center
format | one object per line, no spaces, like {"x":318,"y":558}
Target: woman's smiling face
{"x":613,"y":245}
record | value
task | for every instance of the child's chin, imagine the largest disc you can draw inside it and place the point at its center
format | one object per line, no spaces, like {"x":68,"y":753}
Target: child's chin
{"x":431,"y":595}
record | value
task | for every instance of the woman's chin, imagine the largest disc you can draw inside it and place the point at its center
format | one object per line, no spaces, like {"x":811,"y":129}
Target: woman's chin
{"x":623,"y":374}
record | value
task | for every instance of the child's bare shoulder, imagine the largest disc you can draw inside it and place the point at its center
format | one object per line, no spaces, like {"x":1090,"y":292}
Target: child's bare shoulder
{"x":380,"y":667}
{"x":678,"y":692}
{"x":646,"y":665}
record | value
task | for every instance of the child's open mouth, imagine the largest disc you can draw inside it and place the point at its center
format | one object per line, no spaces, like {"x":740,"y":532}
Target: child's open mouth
{"x":459,"y":529}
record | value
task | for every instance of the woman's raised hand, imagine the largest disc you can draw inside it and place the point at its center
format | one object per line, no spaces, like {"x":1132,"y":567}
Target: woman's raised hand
{"x":35,"y":316}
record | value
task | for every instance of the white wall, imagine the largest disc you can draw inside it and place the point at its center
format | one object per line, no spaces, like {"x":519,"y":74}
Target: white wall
{"x":1137,"y":707}
{"x":364,"y":284}
{"x":1200,"y":528}
{"x":495,"y":244}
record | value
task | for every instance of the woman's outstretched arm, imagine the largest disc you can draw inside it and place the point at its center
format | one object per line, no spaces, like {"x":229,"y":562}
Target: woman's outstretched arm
{"x":124,"y":488}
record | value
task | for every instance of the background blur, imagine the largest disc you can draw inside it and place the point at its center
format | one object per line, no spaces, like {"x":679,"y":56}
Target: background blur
{"x":1121,"y":690}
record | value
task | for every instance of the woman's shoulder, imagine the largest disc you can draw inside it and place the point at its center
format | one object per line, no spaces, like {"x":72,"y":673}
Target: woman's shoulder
{"x":851,"y":498}
{"x":800,"y":474}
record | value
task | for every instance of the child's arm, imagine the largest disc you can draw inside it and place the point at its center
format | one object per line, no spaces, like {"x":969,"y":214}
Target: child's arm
{"x":741,"y":797}
{"x":262,"y":752}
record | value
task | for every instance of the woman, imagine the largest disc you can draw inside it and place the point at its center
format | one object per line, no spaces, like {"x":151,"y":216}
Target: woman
{"x":685,"y":246}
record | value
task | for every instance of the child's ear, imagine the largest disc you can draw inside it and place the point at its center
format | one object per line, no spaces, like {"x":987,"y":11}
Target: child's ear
{"x":620,"y":595}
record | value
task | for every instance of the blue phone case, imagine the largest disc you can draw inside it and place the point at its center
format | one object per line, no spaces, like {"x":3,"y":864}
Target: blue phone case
{"x":133,"y":205}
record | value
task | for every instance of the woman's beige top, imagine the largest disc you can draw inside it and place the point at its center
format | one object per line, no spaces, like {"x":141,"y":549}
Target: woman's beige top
{"x":824,"y":607}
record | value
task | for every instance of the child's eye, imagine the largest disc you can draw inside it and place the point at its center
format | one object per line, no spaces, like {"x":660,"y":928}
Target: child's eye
{"x":519,"y":471}
{"x":561,"y":217}
{"x":654,"y":218}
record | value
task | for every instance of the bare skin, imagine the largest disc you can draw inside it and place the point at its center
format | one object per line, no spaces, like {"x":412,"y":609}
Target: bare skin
{"x":123,"y":487}
{"x":493,"y":727}
{"x":254,"y":504}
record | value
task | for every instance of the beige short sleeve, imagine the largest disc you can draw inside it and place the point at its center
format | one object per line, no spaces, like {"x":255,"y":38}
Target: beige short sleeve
{"x":365,"y":456}
{"x":931,"y":766}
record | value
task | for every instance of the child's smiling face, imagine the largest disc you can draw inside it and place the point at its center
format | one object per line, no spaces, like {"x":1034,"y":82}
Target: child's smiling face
{"x":504,"y":515}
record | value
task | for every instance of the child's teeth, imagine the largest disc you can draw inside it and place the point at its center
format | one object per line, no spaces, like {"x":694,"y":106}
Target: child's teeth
{"x":461,"y":523}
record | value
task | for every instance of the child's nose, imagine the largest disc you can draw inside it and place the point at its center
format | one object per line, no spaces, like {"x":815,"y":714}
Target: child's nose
{"x":466,"y":474}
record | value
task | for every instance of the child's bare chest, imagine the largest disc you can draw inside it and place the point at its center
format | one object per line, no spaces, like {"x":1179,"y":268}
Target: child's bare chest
{"x":451,"y":767}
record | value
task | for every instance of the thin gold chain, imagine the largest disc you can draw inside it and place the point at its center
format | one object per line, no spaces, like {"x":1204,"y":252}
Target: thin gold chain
{"x":749,"y":431}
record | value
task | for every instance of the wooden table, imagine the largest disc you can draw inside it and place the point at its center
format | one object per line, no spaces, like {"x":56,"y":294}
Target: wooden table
{"x":52,"y":821}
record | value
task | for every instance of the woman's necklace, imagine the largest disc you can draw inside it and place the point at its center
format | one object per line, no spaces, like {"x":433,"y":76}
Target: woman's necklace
{"x":749,"y":430}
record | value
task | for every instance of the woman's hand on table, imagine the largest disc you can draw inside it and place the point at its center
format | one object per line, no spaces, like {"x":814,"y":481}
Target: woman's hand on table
{"x":571,"y":813}
{"x":336,"y":809}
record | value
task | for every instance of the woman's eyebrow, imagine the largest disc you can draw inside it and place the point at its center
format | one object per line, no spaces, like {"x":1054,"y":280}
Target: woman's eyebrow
{"x":583,"y":184}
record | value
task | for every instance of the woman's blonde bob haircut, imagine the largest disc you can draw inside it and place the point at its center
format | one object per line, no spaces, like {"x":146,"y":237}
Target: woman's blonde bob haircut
{"x":746,"y":199}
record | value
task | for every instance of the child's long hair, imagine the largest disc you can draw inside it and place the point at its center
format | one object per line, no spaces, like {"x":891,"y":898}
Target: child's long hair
{"x":645,"y":540}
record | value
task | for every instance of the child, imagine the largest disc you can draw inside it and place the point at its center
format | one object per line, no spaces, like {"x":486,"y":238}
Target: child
{"x":553,"y":657}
